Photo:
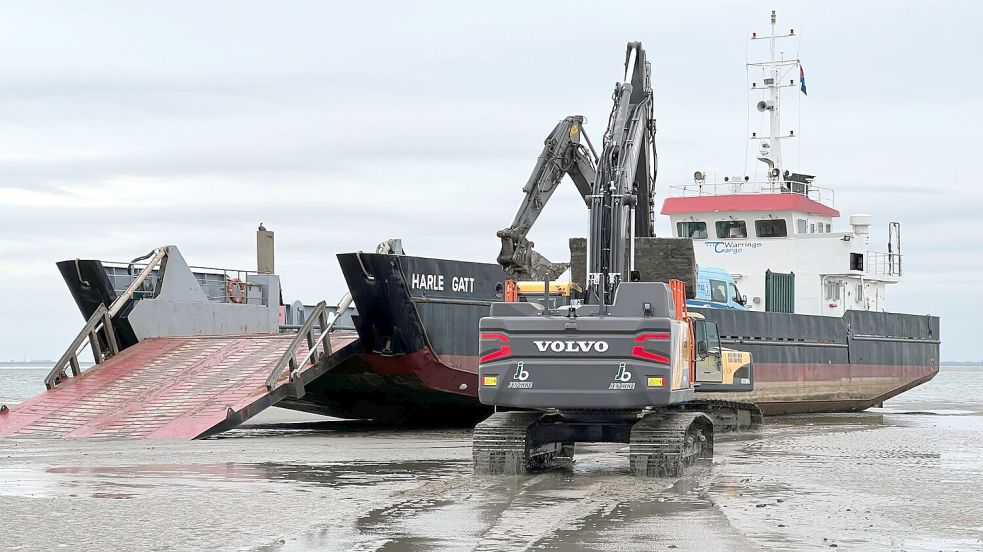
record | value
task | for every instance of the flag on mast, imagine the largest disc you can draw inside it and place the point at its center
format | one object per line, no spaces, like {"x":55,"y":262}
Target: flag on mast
{"x":802,"y":80}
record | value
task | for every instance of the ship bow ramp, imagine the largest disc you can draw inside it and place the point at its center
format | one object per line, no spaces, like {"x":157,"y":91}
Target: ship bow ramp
{"x":195,"y":366}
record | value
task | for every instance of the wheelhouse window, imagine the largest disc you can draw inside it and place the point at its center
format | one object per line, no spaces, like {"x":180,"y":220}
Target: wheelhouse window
{"x":801,"y":226}
{"x":772,"y":228}
{"x":734,"y":229}
{"x":718,"y":291}
{"x":692,"y":230}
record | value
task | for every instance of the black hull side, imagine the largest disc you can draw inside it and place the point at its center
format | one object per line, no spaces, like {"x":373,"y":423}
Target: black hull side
{"x":90,"y":286}
{"x":807,"y":363}
{"x":419,"y":340}
{"x":420,"y":346}
{"x":409,"y":304}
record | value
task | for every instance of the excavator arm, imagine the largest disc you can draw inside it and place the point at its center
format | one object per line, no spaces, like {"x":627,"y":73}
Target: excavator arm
{"x":563,"y":154}
{"x":622,"y":197}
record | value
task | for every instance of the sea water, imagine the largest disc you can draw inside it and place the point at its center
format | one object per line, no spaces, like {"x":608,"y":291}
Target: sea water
{"x":954,"y":389}
{"x":21,"y":381}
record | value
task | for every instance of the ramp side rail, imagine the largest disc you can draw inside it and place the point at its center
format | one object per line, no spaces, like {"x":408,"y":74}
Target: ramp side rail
{"x":318,"y":345}
{"x":159,"y":254}
{"x":306,"y":332}
{"x":99,"y":321}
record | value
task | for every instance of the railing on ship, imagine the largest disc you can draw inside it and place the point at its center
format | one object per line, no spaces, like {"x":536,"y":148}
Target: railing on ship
{"x":315,"y":334}
{"x":819,"y":194}
{"x":883,"y":264}
{"x":221,"y":285}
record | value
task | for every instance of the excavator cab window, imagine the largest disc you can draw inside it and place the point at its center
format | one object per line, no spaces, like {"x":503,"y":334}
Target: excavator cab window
{"x":712,"y":337}
{"x":699,"y":338}
{"x":709,"y":368}
{"x":707,"y":338}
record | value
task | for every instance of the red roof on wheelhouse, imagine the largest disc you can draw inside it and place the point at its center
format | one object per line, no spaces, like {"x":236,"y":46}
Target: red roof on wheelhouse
{"x":746,"y":202}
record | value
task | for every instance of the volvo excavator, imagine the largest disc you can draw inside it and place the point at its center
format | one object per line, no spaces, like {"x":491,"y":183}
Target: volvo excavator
{"x":620,"y":365}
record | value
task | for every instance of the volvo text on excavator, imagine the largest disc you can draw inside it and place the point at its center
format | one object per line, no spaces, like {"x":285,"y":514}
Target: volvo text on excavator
{"x":623,"y":364}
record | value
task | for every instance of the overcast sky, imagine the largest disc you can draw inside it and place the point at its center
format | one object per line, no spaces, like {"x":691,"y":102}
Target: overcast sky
{"x":128,"y":125}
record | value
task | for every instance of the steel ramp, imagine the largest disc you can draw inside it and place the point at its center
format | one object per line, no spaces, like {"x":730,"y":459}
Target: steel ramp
{"x":170,"y":388}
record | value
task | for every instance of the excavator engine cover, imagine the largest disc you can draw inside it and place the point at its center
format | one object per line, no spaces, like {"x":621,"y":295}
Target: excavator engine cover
{"x":632,"y":357}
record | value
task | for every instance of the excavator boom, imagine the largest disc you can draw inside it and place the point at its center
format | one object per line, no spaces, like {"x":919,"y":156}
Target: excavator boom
{"x":563,"y":154}
{"x":623,"y":191}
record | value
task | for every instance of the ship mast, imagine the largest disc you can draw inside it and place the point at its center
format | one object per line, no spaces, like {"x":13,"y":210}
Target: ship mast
{"x":775,"y":70}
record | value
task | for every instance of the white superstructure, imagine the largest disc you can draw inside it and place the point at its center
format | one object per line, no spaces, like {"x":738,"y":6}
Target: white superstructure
{"x":763,"y":232}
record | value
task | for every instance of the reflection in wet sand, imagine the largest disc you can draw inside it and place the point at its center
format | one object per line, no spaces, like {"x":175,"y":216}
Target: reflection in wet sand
{"x":854,"y":480}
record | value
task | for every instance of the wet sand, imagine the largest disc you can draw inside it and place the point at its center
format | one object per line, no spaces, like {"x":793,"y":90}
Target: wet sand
{"x":885,"y":480}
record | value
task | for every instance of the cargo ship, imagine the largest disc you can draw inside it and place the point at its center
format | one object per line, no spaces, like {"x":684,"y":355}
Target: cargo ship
{"x":815,"y":314}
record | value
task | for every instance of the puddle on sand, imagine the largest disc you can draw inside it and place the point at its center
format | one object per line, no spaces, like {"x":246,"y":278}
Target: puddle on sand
{"x":362,"y":428}
{"x":558,"y":510}
{"x":99,"y":480}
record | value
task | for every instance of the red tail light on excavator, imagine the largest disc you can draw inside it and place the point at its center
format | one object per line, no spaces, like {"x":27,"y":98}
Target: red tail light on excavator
{"x":638,"y":351}
{"x":504,"y":350}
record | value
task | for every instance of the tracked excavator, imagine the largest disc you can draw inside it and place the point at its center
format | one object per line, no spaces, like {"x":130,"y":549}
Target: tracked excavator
{"x":623,"y":364}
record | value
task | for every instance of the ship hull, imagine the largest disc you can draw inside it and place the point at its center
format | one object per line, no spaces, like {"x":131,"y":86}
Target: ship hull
{"x":806,"y":363}
{"x":418,"y":324}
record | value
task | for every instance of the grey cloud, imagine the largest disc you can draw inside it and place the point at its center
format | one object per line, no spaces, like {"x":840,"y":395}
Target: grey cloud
{"x":340,"y":125}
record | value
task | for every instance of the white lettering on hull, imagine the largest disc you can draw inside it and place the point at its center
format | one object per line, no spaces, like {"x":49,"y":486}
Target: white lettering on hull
{"x":435,"y":282}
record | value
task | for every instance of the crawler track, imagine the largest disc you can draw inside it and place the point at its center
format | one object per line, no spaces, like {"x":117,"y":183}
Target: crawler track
{"x":503,"y":444}
{"x":664,"y":444}
{"x":726,"y":415}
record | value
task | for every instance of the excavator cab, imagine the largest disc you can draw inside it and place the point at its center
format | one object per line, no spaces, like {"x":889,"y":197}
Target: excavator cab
{"x":718,"y":369}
